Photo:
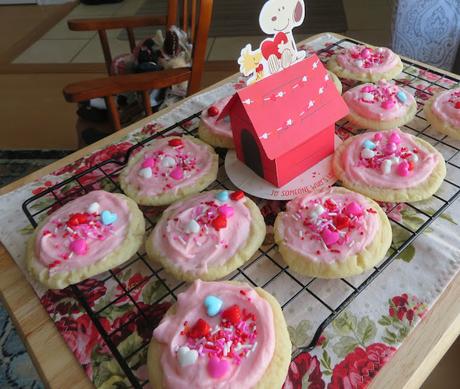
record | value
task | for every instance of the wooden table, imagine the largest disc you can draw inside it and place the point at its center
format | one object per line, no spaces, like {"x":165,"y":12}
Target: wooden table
{"x":58,"y":368}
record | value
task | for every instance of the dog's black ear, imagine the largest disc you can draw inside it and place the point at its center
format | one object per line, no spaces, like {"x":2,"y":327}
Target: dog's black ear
{"x":298,"y":11}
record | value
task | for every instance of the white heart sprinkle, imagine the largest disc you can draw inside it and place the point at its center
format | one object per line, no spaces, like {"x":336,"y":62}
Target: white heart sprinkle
{"x":168,"y":162}
{"x":413,"y":158}
{"x":395,"y":160}
{"x":368,"y":96}
{"x":367,"y":153}
{"x":359,"y":63}
{"x":386,"y":166}
{"x":94,"y":208}
{"x":316,"y":211}
{"x":186,"y":356}
{"x":192,"y":227}
{"x":146,"y":172}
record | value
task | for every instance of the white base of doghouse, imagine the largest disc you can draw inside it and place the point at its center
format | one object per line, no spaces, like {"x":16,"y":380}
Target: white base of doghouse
{"x":315,"y":179}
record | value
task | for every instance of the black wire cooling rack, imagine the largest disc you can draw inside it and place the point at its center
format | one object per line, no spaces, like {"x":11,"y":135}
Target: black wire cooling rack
{"x":308,"y":291}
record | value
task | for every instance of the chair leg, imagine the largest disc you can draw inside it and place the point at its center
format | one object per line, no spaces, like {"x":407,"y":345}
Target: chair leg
{"x":147,"y":105}
{"x":114,"y":114}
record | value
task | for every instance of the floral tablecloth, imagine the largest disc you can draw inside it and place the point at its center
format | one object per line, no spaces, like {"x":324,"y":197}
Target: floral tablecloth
{"x":352,"y":349}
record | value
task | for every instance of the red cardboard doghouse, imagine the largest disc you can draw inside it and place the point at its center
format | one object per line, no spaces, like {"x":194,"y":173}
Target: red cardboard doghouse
{"x":284,"y":124}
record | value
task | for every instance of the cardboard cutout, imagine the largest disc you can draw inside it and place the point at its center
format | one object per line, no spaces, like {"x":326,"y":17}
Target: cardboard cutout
{"x":278,"y":18}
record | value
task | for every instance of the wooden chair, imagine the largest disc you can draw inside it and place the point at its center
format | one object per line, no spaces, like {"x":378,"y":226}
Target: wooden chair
{"x":194,"y":17}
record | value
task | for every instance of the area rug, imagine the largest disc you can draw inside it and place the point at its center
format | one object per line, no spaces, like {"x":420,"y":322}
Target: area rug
{"x":16,"y":368}
{"x":241,"y":17}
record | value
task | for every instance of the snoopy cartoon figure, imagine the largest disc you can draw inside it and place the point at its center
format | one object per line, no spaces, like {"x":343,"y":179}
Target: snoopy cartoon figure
{"x":279,"y":18}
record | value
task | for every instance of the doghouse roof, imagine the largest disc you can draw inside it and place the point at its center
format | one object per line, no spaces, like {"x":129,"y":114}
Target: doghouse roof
{"x":288,"y":108}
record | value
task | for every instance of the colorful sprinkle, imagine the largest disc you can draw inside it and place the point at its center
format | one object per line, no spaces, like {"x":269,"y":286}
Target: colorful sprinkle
{"x":168,"y":162}
{"x":200,"y":329}
{"x":232,"y":314}
{"x":388,"y":104}
{"x":341,"y":221}
{"x":457,"y":105}
{"x":226,"y":210}
{"x":368,"y":97}
{"x":395,"y":138}
{"x":367,"y":89}
{"x":176,"y":142}
{"x":177,"y":173}
{"x":108,"y":217}
{"x":359,"y":63}
{"x":368,"y":144}
{"x":366,"y":53}
{"x":401,"y":96}
{"x":353,"y":209}
{"x":79,"y":247}
{"x":186,"y":357}
{"x":146,"y":172}
{"x":386,"y":166}
{"x":403,"y":169}
{"x":148,"y":162}
{"x":316,"y":211}
{"x":218,"y":368}
{"x":219,"y":223}
{"x":222,"y":196}
{"x":94,"y":208}
{"x":413,"y":158}
{"x":193,"y":227}
{"x":367,"y":154}
{"x":238,"y":195}
{"x":378,"y":136}
{"x":213,"y":305}
{"x":390,"y":148}
{"x":213,"y":111}
{"x":329,"y":237}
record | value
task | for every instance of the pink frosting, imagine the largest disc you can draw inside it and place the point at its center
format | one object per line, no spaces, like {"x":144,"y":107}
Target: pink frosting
{"x":218,"y":127}
{"x":169,"y":167}
{"x":74,"y":237}
{"x":195,"y":235}
{"x":329,"y":226}
{"x":446,"y":106}
{"x":382,"y":101}
{"x":394,"y":165}
{"x":242,"y":363}
{"x":362,"y":59}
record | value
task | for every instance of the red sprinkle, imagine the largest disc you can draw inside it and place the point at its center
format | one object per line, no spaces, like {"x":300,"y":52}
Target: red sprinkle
{"x":232,"y":314}
{"x":200,"y":329}
{"x":341,"y":221}
{"x":236,"y":196}
{"x":411,"y":165}
{"x":457,"y":105}
{"x":77,"y":219}
{"x":176,"y":142}
{"x":213,"y":111}
{"x":219,"y":222}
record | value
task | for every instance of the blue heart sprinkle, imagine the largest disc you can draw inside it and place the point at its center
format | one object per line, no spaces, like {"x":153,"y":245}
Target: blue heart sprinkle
{"x":213,"y":305}
{"x":222,"y":196}
{"x":108,"y":217}
{"x":368,"y":144}
{"x":401,"y":96}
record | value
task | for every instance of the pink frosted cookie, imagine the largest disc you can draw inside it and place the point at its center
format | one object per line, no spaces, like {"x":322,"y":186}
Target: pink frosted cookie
{"x":168,"y":170}
{"x":207,"y":236}
{"x":85,"y":237}
{"x":443,"y":112}
{"x":390,"y":166}
{"x":217,"y":133}
{"x":366,"y":64}
{"x":332,"y":234}
{"x":380,"y":106}
{"x":220,"y":335}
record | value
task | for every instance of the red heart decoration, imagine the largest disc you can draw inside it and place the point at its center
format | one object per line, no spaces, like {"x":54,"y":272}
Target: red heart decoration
{"x":200,"y":329}
{"x":219,"y":222}
{"x":232,"y":314}
{"x":270,"y":47}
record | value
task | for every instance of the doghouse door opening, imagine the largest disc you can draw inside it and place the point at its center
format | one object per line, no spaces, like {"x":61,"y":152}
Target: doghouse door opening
{"x":251,"y":153}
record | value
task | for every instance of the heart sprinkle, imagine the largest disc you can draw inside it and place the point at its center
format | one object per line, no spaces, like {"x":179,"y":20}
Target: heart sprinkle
{"x":386,"y":166}
{"x":329,"y":237}
{"x":232,"y":314}
{"x":218,"y":368}
{"x":238,"y":195}
{"x":395,"y":138}
{"x":222,"y":196}
{"x":108,"y":217}
{"x":177,"y":173}
{"x":367,"y":154}
{"x":226,"y":210}
{"x":353,"y":209}
{"x":146,"y":172}
{"x":176,"y":142}
{"x":200,"y":329}
{"x":213,"y":305}
{"x":213,"y":111}
{"x":94,"y":208}
{"x":401,"y":96}
{"x":148,"y":162}
{"x":192,"y":227}
{"x":186,"y":357}
{"x":368,"y":144}
{"x":219,"y":223}
{"x":79,"y":247}
{"x":168,"y":162}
